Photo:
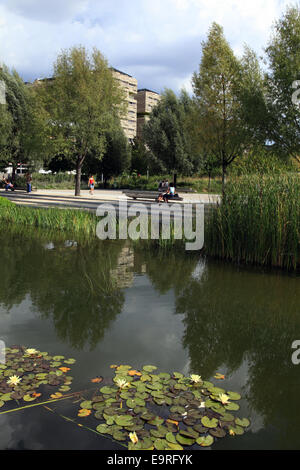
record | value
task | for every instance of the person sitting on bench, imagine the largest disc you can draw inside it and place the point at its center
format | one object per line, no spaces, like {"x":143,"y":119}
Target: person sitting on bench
{"x":8,"y":185}
{"x":170,"y":194}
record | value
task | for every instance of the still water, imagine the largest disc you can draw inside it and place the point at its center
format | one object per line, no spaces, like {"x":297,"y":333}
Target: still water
{"x":106,"y":303}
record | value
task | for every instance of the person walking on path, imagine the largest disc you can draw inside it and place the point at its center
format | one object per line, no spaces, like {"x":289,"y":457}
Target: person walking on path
{"x":91,"y":184}
{"x":28,"y":182}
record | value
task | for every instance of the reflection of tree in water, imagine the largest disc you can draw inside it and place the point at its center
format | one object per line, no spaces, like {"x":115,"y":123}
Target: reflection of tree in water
{"x":169,"y":270}
{"x":73,"y":285}
{"x":231,"y":316}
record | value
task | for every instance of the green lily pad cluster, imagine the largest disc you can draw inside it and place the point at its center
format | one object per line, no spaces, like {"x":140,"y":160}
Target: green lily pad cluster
{"x":26,"y":370}
{"x":162,"y":411}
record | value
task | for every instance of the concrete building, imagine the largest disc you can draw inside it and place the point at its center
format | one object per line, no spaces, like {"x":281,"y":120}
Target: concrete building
{"x":129,"y":85}
{"x":146,"y":100}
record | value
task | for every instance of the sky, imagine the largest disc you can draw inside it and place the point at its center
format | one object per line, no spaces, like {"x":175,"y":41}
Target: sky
{"x":156,"y":41}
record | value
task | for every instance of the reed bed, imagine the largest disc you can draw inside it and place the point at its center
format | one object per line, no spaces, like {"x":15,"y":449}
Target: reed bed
{"x":258,"y":222}
{"x":64,"y":220}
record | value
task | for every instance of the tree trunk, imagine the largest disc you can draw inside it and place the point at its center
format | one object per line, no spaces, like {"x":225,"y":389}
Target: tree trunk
{"x":175,"y":179}
{"x":78,"y":176}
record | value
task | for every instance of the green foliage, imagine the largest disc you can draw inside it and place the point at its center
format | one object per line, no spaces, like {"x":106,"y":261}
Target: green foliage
{"x":258,"y":222}
{"x":165,"y":135}
{"x":283,"y":54}
{"x":227,"y":92}
{"x":82,"y":102}
{"x":18,"y":127}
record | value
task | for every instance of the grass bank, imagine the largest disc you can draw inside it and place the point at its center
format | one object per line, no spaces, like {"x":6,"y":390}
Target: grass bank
{"x":258,"y":222}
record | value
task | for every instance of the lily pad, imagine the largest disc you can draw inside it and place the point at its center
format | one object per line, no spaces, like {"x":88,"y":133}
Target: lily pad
{"x":205,"y":441}
{"x":209,"y":423}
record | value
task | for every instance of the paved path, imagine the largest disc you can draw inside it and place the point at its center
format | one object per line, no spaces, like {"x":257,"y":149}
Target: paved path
{"x":66,"y":199}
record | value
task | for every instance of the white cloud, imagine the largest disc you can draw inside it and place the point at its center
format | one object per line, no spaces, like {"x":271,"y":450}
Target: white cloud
{"x":157,"y":42}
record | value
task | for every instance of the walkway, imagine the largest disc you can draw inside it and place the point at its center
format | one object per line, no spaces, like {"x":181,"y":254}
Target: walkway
{"x":66,"y":199}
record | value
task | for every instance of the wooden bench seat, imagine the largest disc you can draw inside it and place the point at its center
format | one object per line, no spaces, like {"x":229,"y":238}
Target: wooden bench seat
{"x":136,"y":194}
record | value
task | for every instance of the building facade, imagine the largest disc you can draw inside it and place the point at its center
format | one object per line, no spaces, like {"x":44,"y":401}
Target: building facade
{"x":129,"y":85}
{"x":146,"y":100}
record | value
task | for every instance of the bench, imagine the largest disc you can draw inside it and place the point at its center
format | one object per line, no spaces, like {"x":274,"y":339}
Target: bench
{"x":136,"y":194}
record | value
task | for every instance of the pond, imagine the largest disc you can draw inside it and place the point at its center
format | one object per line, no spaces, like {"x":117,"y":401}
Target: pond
{"x":106,"y":303}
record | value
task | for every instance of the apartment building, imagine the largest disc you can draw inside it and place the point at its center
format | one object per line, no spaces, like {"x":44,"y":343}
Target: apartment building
{"x":129,"y":85}
{"x":146,"y":100}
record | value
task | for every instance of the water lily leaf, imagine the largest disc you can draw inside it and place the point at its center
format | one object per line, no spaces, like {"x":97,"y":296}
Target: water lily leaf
{"x":119,"y":436}
{"x":155,"y":386}
{"x":227,"y":417}
{"x":124,"y":367}
{"x":234,"y":396}
{"x":125,"y":420}
{"x":58,"y":358}
{"x":164,"y":376}
{"x":171,"y":438}
{"x":209,"y":423}
{"x":109,"y":419}
{"x":236,"y":430}
{"x":131,"y":403}
{"x":244,"y":422}
{"x":108,"y":390}
{"x":29,"y":398}
{"x":218,"y":432}
{"x":189,"y":433}
{"x":173,"y":446}
{"x":5,"y":397}
{"x":146,"y":443}
{"x":179,"y":386}
{"x":64,"y":388}
{"x":232,"y":406}
{"x":145,"y":378}
{"x":186,"y":441}
{"x":217,"y":390}
{"x":160,"y":444}
{"x":156,"y":421}
{"x":205,"y":441}
{"x":102,"y":428}
{"x":70,"y":361}
{"x":149,"y":368}
{"x":177,"y":409}
{"x":178,"y":375}
{"x":162,"y":401}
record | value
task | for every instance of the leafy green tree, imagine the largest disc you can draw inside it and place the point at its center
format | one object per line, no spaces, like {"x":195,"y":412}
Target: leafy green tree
{"x":283,"y":55}
{"x":83,"y":101}
{"x":165,"y":136}
{"x":224,"y":88}
{"x":117,"y":156}
{"x":17,"y":137}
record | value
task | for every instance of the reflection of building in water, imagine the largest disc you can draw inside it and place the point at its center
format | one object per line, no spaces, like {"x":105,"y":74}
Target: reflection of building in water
{"x":123,"y":273}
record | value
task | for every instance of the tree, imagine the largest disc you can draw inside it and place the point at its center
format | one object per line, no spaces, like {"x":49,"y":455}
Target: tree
{"x":17,"y":136}
{"x":116,"y":157}
{"x":83,"y":101}
{"x":165,"y":136}
{"x":283,"y":54}
{"x":223,"y":89}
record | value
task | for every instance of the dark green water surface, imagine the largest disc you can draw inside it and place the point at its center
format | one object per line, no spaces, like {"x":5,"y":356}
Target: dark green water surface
{"x":107,"y":303}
